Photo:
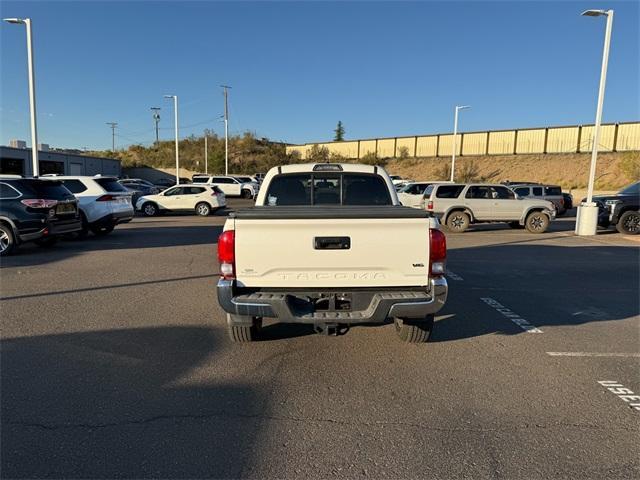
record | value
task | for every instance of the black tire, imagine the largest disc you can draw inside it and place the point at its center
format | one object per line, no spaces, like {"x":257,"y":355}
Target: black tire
{"x":7,"y":240}
{"x":246,"y":194}
{"x":243,"y":333}
{"x":629,"y":223}
{"x":46,"y":241}
{"x":458,"y":221}
{"x":203,"y":209}
{"x":414,"y":331}
{"x":102,"y":230}
{"x":537,"y":222}
{"x":149,"y":209}
{"x":515,"y":225}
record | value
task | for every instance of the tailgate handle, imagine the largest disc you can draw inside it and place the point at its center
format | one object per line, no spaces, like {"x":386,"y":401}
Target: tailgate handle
{"x":332,"y":243}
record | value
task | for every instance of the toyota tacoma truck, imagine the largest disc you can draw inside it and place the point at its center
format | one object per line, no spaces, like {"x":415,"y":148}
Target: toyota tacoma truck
{"x":330,"y":245}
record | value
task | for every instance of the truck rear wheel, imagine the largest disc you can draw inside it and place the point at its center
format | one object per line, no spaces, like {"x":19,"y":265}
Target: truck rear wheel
{"x":242,"y":333}
{"x":413,"y":330}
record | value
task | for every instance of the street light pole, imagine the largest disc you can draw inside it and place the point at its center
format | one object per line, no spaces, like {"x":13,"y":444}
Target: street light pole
{"x":455,"y":137}
{"x":226,"y":128}
{"x":175,"y":120}
{"x":32,"y":92}
{"x":206,"y":154}
{"x":587,"y":215}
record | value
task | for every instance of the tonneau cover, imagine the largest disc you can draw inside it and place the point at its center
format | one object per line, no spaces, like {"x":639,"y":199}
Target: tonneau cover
{"x":328,"y":211}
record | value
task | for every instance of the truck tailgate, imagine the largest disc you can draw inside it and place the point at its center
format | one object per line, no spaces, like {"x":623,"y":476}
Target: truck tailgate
{"x":313,"y":248}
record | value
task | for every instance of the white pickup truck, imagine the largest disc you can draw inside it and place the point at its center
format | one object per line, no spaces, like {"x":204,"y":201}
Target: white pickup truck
{"x":330,"y":245}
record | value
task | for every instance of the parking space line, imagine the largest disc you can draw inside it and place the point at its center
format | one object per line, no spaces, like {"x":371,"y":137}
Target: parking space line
{"x":593,"y":354}
{"x":454,"y":276}
{"x":514,"y":317}
{"x":623,"y":393}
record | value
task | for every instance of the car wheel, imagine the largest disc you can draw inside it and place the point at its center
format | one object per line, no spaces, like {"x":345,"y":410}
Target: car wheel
{"x":102,"y":229}
{"x":243,"y":333}
{"x":46,"y":241}
{"x":203,"y":209}
{"x":150,"y":209}
{"x":458,"y":222}
{"x":246,"y":194}
{"x":414,"y":331}
{"x":7,"y":240}
{"x":537,"y":222}
{"x":629,"y":223}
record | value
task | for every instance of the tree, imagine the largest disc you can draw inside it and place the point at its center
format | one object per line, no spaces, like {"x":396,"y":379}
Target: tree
{"x":339,"y":132}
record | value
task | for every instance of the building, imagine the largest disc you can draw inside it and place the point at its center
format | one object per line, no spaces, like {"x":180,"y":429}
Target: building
{"x":17,"y":161}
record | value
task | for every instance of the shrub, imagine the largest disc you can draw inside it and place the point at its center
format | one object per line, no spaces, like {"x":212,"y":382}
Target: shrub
{"x":318,"y":154}
{"x":630,"y":165}
{"x":403,"y":153}
{"x":371,"y":158}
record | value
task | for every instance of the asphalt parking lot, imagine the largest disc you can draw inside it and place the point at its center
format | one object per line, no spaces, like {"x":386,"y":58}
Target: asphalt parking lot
{"x":115,"y":363}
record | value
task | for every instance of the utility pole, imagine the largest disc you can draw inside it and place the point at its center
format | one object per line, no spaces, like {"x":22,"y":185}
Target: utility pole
{"x":156,"y":119}
{"x":226,"y":128}
{"x":206,"y":158}
{"x":113,"y":126}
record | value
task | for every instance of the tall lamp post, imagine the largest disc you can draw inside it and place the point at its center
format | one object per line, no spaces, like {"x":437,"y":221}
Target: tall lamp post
{"x":455,"y":137}
{"x":32,"y":92}
{"x":587,"y":216}
{"x":175,"y":121}
{"x":226,"y":128}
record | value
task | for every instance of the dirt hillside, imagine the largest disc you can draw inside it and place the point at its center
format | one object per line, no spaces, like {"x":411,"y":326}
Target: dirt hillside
{"x":614,"y":170}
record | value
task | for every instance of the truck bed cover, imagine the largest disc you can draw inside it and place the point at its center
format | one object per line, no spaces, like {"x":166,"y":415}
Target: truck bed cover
{"x":327,"y":211}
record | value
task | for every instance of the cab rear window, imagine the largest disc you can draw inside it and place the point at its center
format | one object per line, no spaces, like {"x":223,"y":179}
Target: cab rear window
{"x":552,"y":191}
{"x":327,"y":189}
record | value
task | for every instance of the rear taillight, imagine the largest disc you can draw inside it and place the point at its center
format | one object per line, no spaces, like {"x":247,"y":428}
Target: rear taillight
{"x":227,"y":254}
{"x":437,"y":253}
{"x":39,"y":203}
{"x":105,"y":198}
{"x":430,"y":205}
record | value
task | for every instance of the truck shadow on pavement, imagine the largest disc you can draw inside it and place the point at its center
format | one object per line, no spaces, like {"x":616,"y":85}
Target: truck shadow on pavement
{"x":126,"y":403}
{"x":547,"y":285}
{"x":138,"y":237}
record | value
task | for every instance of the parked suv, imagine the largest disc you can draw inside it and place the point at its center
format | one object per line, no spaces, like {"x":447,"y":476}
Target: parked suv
{"x":553,"y":193}
{"x":203,"y":199}
{"x":231,"y":186}
{"x":460,"y":205}
{"x":104,"y":203}
{"x":621,"y":209}
{"x":35,"y":210}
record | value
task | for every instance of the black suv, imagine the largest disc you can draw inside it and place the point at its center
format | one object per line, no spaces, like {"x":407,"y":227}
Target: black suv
{"x":35,"y":210}
{"x":621,"y":209}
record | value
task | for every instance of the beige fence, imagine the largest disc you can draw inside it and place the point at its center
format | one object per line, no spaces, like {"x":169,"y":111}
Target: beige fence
{"x":614,"y":137}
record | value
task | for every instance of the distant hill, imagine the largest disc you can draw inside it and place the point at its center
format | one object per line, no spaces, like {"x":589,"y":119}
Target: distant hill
{"x":246,"y":154}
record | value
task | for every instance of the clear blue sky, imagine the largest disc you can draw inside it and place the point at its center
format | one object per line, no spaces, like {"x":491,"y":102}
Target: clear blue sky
{"x":384,"y":69}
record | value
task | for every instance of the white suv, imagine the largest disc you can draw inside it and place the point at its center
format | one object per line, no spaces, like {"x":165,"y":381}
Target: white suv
{"x":103,"y":202}
{"x":203,"y":199}
{"x":231,"y":186}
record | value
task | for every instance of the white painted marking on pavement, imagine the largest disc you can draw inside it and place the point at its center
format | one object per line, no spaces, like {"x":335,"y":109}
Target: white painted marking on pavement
{"x":454,"y":276}
{"x":514,"y":317}
{"x":623,"y":393}
{"x":593,"y":354}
